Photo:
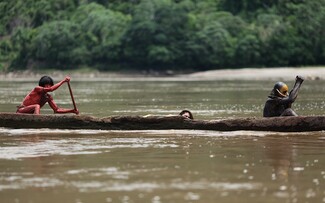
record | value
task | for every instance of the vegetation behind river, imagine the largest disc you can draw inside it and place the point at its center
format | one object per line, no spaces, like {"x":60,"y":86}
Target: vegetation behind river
{"x":160,"y":35}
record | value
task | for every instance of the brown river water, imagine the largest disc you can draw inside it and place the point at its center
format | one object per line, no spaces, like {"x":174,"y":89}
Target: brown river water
{"x":79,"y":166}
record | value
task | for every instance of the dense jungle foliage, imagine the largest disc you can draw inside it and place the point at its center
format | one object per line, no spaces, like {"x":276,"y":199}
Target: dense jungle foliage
{"x":160,"y":34}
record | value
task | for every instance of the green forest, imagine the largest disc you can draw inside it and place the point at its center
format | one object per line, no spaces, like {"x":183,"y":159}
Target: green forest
{"x":160,"y":35}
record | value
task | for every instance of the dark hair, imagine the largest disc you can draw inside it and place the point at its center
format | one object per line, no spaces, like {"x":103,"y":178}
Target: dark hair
{"x":45,"y":80}
{"x":186,"y":111}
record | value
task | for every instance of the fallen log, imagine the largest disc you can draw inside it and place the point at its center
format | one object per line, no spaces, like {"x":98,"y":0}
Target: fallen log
{"x":280,"y":124}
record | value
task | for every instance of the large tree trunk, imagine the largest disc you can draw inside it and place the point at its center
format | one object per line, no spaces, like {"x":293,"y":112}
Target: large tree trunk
{"x":281,"y":124}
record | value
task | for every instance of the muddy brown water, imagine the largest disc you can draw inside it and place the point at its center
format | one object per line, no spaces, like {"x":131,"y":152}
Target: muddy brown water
{"x":41,"y":165}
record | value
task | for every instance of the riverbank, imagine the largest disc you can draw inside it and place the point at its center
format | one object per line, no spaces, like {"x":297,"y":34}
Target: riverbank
{"x":311,"y":73}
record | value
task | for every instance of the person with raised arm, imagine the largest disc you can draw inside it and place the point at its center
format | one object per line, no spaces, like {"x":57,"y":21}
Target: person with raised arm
{"x":279,"y":102}
{"x":39,"y":96}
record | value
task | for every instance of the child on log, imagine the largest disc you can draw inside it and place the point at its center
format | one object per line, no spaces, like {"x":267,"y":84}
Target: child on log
{"x":279,"y":101}
{"x":39,"y":96}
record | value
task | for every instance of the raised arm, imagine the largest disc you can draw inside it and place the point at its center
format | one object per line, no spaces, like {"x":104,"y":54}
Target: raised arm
{"x":57,"y":85}
{"x":294,"y":92}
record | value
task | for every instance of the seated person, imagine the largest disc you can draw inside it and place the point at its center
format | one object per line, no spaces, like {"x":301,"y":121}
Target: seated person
{"x":186,"y":114}
{"x":39,"y":96}
{"x":279,"y":101}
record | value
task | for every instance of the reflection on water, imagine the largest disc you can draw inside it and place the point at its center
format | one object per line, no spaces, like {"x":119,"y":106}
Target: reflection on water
{"x":161,"y":166}
{"x":41,"y":165}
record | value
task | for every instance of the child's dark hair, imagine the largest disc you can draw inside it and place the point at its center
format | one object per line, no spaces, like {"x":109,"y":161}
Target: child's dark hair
{"x":186,"y":111}
{"x":45,"y":80}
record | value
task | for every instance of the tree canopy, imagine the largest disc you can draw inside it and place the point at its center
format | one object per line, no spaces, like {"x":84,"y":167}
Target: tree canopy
{"x":160,"y":34}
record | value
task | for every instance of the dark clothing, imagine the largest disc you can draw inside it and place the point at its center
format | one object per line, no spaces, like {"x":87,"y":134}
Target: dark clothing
{"x":276,"y":106}
{"x":281,"y":106}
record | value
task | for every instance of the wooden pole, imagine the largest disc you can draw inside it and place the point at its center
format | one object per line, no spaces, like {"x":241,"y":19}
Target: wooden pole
{"x":74,"y":103}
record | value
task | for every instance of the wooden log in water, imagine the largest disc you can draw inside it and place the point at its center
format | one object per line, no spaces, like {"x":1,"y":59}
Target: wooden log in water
{"x":280,"y":124}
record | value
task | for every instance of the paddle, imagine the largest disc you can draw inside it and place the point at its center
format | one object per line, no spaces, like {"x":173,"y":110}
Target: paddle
{"x":74,"y":103}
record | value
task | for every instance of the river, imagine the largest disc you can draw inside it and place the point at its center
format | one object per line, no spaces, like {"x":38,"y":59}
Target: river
{"x":79,"y":166}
